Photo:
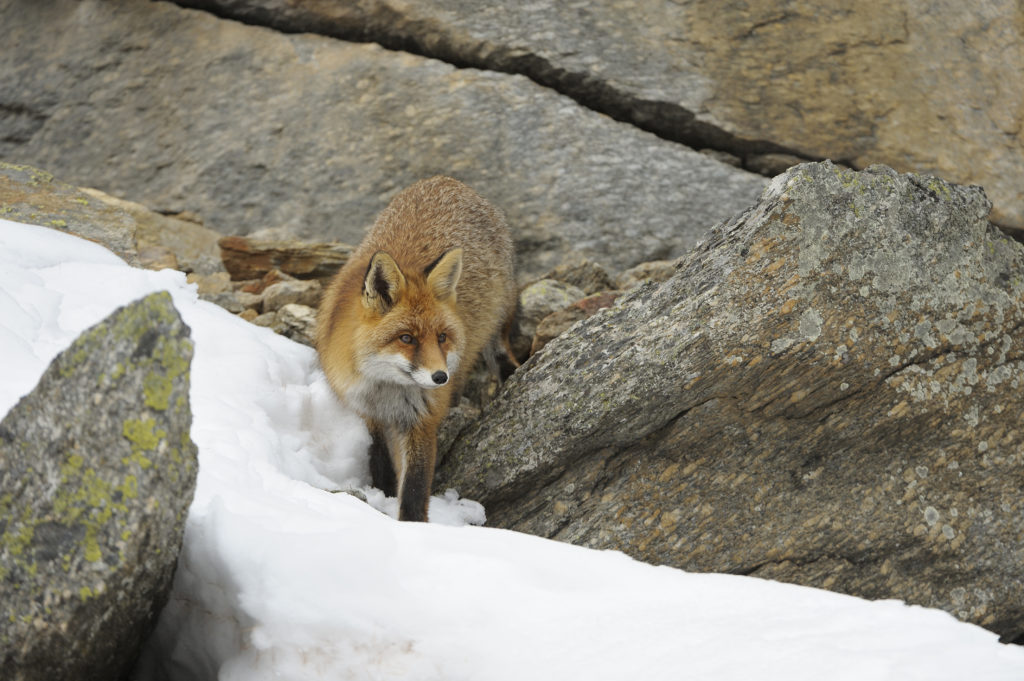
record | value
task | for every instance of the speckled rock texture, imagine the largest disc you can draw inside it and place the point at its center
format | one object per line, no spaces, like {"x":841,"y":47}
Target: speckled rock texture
{"x":827,"y":392}
{"x":97,"y":475}
{"x":251,"y":128}
{"x":139,"y":236}
{"x":33,"y":196}
{"x":926,"y":86}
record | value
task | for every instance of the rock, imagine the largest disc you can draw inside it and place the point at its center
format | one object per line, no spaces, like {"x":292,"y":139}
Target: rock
{"x":138,"y":235}
{"x":305,"y":293}
{"x":557,"y":323}
{"x":582,"y":273}
{"x":258,"y":286}
{"x":211,"y":284}
{"x":772,"y":164}
{"x":194,"y":247}
{"x":180,"y":110}
{"x":97,"y":478}
{"x":930,"y":87}
{"x":255,"y":258}
{"x":234,"y":302}
{"x":459,"y":416}
{"x":267,"y":319}
{"x":827,"y":392}
{"x":536,"y":302}
{"x":33,"y":196}
{"x":297,"y":322}
{"x":656,"y":271}
{"x":158,"y":258}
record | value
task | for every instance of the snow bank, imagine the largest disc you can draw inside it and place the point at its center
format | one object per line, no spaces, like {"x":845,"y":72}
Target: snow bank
{"x":281,"y":579}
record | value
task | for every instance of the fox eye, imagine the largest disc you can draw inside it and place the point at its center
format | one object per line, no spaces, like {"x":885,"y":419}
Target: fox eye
{"x":406,"y":338}
{"x":441,"y":338}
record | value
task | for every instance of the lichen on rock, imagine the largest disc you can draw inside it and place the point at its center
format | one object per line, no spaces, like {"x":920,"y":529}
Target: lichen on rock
{"x":99,"y":471}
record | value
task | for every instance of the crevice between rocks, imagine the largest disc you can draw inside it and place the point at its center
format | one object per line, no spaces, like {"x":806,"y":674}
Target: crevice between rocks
{"x":667,"y":120}
{"x":807,"y":561}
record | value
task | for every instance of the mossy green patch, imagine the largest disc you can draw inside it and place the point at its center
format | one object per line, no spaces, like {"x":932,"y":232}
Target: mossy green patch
{"x":157,"y":389}
{"x":940,"y":188}
{"x":143,"y":434}
{"x":129,"y":488}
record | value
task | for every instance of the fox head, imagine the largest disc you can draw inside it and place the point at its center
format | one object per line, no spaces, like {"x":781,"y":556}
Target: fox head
{"x":415,"y":331}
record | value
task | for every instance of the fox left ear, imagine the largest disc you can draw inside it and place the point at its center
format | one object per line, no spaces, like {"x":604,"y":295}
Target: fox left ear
{"x":445,"y":273}
{"x":382,"y":284}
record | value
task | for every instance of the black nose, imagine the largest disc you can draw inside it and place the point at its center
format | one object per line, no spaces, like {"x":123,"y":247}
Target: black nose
{"x":439,"y":377}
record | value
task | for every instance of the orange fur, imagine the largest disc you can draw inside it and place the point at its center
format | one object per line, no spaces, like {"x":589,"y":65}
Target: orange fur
{"x":435,"y":269}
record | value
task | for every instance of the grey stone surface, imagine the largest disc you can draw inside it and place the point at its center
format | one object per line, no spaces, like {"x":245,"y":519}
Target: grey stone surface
{"x":537,"y":301}
{"x":33,"y":196}
{"x":826,"y":392}
{"x":305,"y":293}
{"x":250,"y":128}
{"x":923,"y":86}
{"x":97,"y":477}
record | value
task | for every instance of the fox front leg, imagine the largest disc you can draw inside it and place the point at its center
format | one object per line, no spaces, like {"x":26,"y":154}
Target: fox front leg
{"x":382,"y":472}
{"x":417,"y":473}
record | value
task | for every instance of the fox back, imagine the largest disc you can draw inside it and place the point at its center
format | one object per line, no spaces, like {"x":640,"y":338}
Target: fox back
{"x":429,"y":288}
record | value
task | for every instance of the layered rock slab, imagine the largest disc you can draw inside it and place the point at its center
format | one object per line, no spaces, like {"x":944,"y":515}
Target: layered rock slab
{"x":921,"y":86}
{"x":249,"y":128}
{"x":98,"y":473}
{"x":826,"y":392}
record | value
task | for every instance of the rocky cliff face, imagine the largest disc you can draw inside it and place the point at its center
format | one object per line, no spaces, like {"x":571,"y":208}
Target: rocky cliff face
{"x":250,"y":128}
{"x":928,"y":87}
{"x":98,"y":474}
{"x":826,"y":392}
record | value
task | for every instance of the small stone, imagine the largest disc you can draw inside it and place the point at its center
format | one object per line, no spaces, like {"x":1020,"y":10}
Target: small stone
{"x":210,"y":284}
{"x":297,"y":322}
{"x":582,"y":273}
{"x":536,"y":302}
{"x":656,"y":270}
{"x":267,"y":319}
{"x":299,"y":292}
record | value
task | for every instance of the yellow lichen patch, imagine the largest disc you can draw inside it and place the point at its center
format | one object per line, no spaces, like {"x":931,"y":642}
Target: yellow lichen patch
{"x":129,"y":489}
{"x":157,"y":389}
{"x":143,"y":434}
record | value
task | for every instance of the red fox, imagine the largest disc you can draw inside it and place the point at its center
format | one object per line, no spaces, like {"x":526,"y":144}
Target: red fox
{"x":429,"y":288}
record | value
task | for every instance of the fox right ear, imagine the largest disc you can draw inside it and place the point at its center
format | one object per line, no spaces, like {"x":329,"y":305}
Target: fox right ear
{"x":383,"y":283}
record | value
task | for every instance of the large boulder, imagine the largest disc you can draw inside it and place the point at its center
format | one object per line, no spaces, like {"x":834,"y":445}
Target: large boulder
{"x":97,"y":477}
{"x":925,"y":86}
{"x":250,"y":128}
{"x":826,"y":392}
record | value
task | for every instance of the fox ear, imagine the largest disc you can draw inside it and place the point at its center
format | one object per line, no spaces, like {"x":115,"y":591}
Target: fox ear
{"x":444,"y":274}
{"x":383,"y":283}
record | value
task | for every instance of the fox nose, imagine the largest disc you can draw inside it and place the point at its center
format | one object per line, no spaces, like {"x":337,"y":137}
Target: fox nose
{"x":439,"y":377}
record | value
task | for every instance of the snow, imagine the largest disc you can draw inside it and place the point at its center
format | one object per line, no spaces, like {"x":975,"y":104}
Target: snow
{"x":279,"y":578}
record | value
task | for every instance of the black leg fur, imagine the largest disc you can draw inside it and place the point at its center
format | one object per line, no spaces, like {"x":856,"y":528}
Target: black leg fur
{"x":382,"y":472}
{"x":416,"y":492}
